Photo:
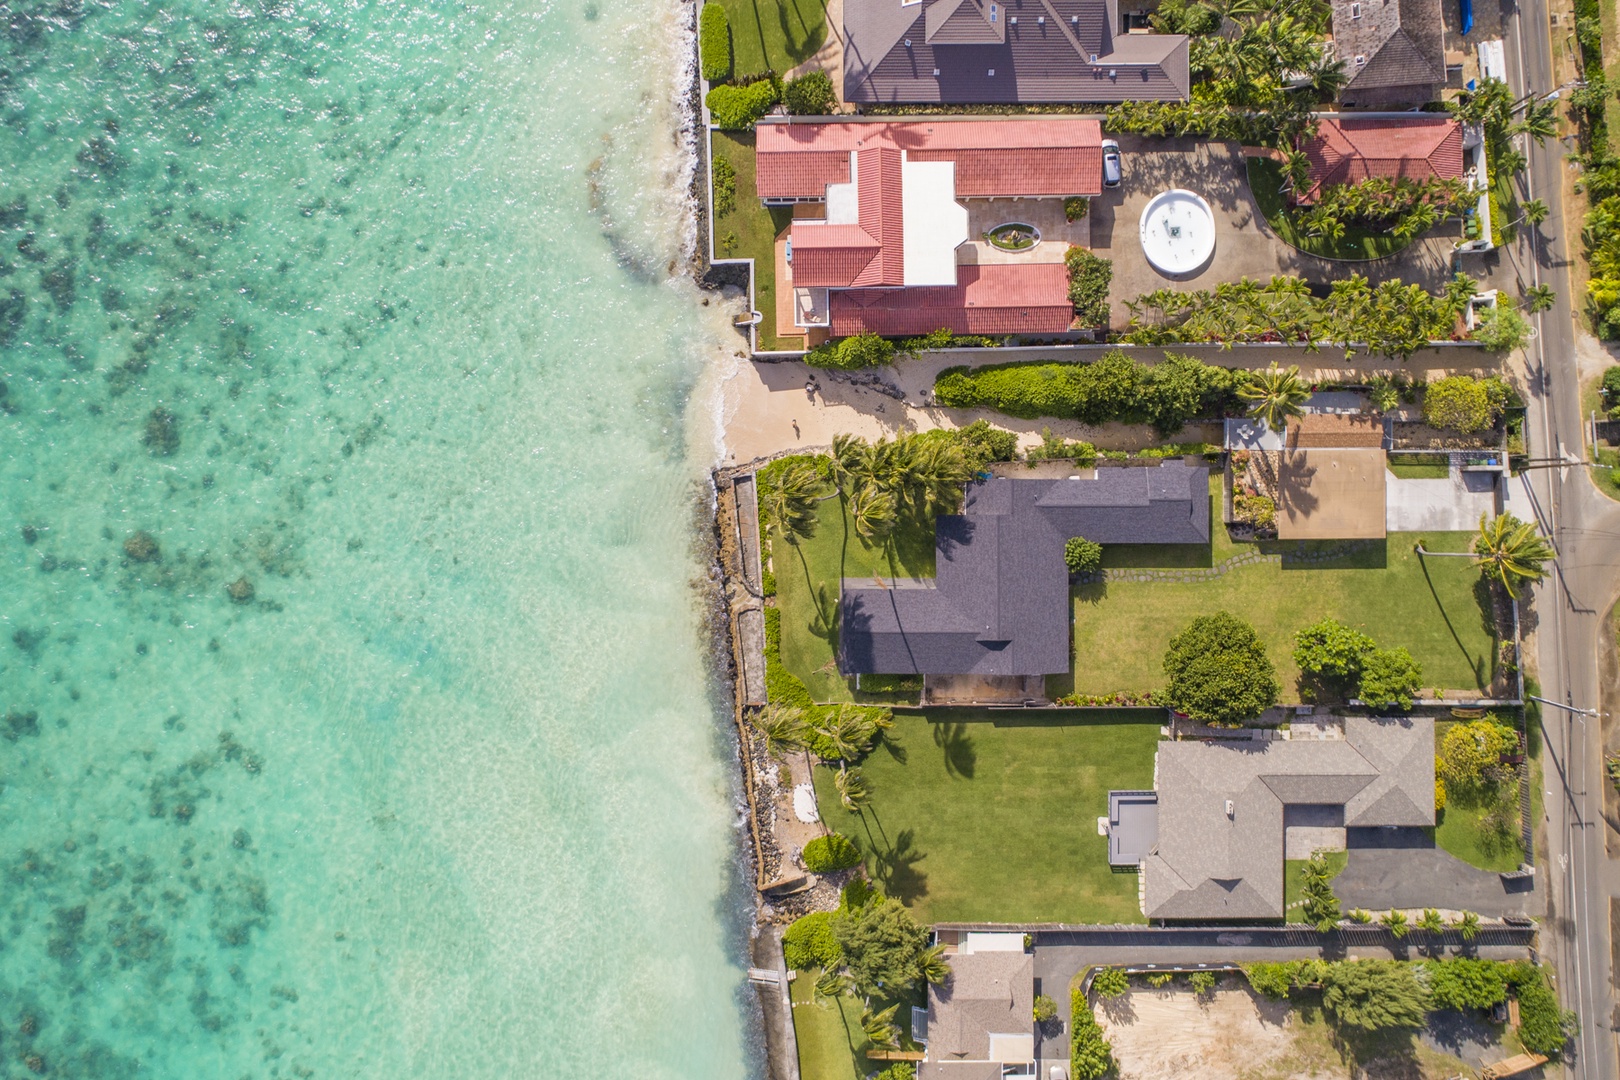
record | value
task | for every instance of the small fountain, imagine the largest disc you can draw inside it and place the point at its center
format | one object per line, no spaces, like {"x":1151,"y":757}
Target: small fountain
{"x":1178,"y":232}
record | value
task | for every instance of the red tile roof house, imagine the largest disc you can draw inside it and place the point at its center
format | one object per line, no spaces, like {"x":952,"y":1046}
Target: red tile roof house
{"x":883,"y":257}
{"x":1350,"y":149}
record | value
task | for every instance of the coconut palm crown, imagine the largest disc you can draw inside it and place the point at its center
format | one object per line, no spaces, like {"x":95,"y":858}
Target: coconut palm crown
{"x":1511,"y":551}
{"x":1275,"y":395}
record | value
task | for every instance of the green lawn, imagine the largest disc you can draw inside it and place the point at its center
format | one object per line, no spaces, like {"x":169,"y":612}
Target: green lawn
{"x":774,"y":35}
{"x":1459,"y":828}
{"x":1419,"y":470}
{"x":750,"y":231}
{"x":807,"y":578}
{"x":1265,"y":181}
{"x":831,"y":1044}
{"x":992,"y":815}
{"x":1431,"y":607}
{"x":1294,"y":881}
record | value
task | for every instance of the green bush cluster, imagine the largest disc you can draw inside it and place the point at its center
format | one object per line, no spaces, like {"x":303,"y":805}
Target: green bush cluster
{"x":1111,"y":388}
{"x":1466,"y":983}
{"x":900,"y":1070}
{"x":1090,"y":1055}
{"x":1055,"y":447}
{"x":983,"y":444}
{"x":1110,"y":982}
{"x":781,"y":685}
{"x":714,"y":43}
{"x":1075,"y":208}
{"x":738,"y":107}
{"x":1544,"y":1028}
{"x":725,"y":186}
{"x":830,"y":853}
{"x":852,"y":353}
{"x":809,"y":943}
{"x":1465,"y":404}
{"x":1089,"y":278}
{"x":1081,"y":556}
{"x":1390,"y":677}
{"x":1218,"y":671}
{"x":1338,"y":658}
{"x":1610,"y":387}
{"x":811,"y":94}
{"x":944,"y":338}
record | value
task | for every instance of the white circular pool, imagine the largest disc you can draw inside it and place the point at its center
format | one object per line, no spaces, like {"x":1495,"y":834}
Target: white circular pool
{"x":1178,"y":231}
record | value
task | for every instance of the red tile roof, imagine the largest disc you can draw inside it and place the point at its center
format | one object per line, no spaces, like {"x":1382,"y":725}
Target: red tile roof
{"x":830,"y":255}
{"x":1351,"y":149}
{"x":1016,"y":298}
{"x":867,"y":253}
{"x":1048,"y":156}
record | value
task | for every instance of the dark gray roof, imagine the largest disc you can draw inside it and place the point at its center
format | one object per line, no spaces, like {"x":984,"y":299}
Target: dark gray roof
{"x":1038,"y":51}
{"x":999,"y":601}
{"x":1401,"y":43}
{"x":1211,"y":862}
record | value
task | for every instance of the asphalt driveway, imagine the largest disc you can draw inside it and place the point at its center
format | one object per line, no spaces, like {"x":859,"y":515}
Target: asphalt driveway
{"x":1402,"y":868}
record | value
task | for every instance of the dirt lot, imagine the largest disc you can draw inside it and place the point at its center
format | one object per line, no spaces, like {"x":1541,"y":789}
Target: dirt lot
{"x":1236,"y":1035}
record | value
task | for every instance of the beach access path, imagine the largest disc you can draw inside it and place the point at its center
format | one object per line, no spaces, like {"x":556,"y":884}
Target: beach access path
{"x":765,"y":409}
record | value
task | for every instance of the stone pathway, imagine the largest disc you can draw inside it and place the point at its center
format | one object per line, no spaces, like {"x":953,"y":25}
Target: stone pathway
{"x":1247,"y":558}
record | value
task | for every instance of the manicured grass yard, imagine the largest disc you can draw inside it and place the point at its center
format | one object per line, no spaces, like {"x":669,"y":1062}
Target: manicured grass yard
{"x":755,"y":229}
{"x":1294,"y":882}
{"x":774,"y":35}
{"x":807,"y":578}
{"x":992,"y":815}
{"x":1419,"y":470}
{"x":1431,"y":607}
{"x":831,"y":1044}
{"x":1265,"y":181}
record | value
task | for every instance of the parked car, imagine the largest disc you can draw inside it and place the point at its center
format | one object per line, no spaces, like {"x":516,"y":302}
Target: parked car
{"x":1059,"y":1073}
{"x":787,"y":252}
{"x":1110,"y":150}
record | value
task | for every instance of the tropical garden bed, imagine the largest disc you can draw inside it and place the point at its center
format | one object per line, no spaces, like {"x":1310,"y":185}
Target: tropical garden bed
{"x":1013,"y":236}
{"x":1357,"y":244}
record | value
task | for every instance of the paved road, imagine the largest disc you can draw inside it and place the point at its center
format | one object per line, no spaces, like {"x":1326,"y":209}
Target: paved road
{"x":1586,"y":530}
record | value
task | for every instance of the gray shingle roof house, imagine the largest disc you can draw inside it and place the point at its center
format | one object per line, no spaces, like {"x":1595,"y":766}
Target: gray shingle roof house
{"x":1393,"y":51}
{"x":980,"y":1022}
{"x":974,"y":52}
{"x":1223,"y":810}
{"x":999,"y":601}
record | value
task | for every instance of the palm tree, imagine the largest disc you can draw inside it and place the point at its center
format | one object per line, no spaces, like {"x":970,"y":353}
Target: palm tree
{"x":789,"y":499}
{"x":1431,"y":922}
{"x":1395,"y":921}
{"x":880,"y":1028}
{"x":1540,"y":121}
{"x":1276,"y":396}
{"x":932,"y":965}
{"x":853,"y":790}
{"x":873,"y":510}
{"x":782,"y":727}
{"x":845,"y":733}
{"x":832,"y":984}
{"x":1468,"y":926}
{"x":1511,"y":551}
{"x":1535,"y":212}
{"x":1539,"y":298}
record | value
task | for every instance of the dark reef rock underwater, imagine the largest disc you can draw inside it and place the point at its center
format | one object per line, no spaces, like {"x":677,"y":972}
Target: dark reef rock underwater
{"x":143,"y":547}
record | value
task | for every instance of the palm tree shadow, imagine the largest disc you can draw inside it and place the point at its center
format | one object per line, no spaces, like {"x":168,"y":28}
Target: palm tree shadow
{"x":1474,"y":662}
{"x":893,"y":747}
{"x":957,"y":747}
{"x":896,"y":869}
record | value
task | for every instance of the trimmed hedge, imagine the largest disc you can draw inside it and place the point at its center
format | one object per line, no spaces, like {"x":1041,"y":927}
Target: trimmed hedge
{"x":737,"y":107}
{"x":811,"y":94}
{"x":852,"y":353}
{"x":809,"y":943}
{"x":714,"y":43}
{"x":1090,"y":1055}
{"x":782,"y":687}
{"x":1543,"y":1026}
{"x":826,"y":854}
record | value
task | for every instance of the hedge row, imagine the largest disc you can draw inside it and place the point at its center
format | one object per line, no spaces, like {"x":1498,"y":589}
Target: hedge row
{"x":737,"y":107}
{"x":1112,"y":388}
{"x":714,"y":43}
{"x":1090,"y":1055}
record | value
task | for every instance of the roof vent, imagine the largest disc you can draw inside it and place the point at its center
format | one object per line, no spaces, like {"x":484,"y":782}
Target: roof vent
{"x":1361,"y":61}
{"x":1012,"y":20}
{"x":1040,"y":20}
{"x":936,"y":73}
{"x":1074,"y":20}
{"x":1229,"y":808}
{"x":908,"y":43}
{"x":1113,"y":73}
{"x":992,"y":72}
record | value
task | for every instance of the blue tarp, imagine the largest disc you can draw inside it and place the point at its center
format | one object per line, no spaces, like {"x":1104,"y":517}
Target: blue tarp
{"x":1467,"y":15}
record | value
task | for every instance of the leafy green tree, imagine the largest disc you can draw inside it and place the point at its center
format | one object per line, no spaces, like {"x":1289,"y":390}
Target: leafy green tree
{"x":1045,"y":1009}
{"x":1465,"y":983}
{"x":1082,"y":556}
{"x":882,"y":947}
{"x":1331,"y":651}
{"x":1276,"y":395}
{"x":1219,"y":671}
{"x":1110,"y":982}
{"x":1090,"y":1056}
{"x":1374,"y":995}
{"x":811,"y":94}
{"x":1389,"y":677}
{"x":1502,"y":328}
{"x":1471,"y":753}
{"x":1461,"y":403}
{"x":1511,"y":551}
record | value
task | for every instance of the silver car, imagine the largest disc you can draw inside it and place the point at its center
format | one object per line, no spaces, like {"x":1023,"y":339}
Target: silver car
{"x":1110,"y":150}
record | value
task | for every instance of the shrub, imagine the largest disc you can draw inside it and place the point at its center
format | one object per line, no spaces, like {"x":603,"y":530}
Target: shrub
{"x":1203,"y":982}
{"x":1464,"y":404}
{"x":1161,"y":979}
{"x":1075,"y":208}
{"x":1439,"y":791}
{"x":714,"y":43}
{"x":737,"y":107}
{"x":1256,"y":510}
{"x":725,"y":184}
{"x":1331,"y":650}
{"x":1502,"y":329}
{"x":1218,"y":671}
{"x":1090,"y":1056}
{"x":1273,"y":980}
{"x":1389,"y":677}
{"x":1089,"y":278}
{"x":782,"y":687}
{"x":1045,"y":1009}
{"x":811,"y":94}
{"x":1611,"y":385}
{"x":1543,"y":1026}
{"x":852,"y":353}
{"x":1374,"y":994}
{"x":1465,"y":983}
{"x":900,"y":1070}
{"x":981,"y":444}
{"x":1081,"y":555}
{"x":1110,"y":982}
{"x":809,"y":943}
{"x":767,"y":583}
{"x":825,"y":854}
{"x":1471,"y":752}
{"x":856,"y":894}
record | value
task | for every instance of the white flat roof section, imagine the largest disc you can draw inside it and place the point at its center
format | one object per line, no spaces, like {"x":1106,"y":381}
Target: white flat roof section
{"x":1251,"y":435}
{"x":983,"y":942}
{"x":935,"y":223}
{"x":1012,"y":1049}
{"x":844,"y":200}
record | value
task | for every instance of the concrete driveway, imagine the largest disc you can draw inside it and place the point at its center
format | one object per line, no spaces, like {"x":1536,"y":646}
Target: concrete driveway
{"x":1402,"y":868}
{"x":1244,"y":245}
{"x":1450,"y":505}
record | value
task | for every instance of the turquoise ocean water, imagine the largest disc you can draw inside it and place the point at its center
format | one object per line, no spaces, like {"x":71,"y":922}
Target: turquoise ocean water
{"x":365,"y":310}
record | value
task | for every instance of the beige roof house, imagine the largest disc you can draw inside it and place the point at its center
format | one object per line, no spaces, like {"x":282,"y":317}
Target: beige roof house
{"x":980,"y":1022}
{"x":1223,"y":810}
{"x":1331,"y":479}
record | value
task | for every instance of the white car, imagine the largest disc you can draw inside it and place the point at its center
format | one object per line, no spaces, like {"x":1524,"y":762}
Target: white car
{"x":1110,"y":150}
{"x":1059,"y":1073}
